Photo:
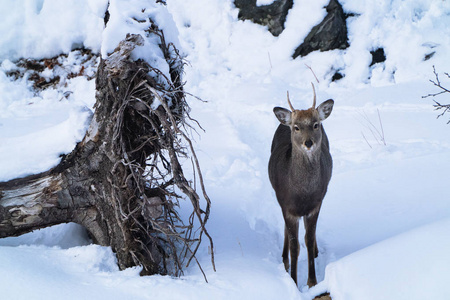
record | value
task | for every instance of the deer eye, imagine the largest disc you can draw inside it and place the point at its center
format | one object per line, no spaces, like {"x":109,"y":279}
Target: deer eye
{"x":316,"y":126}
{"x":296,"y":128}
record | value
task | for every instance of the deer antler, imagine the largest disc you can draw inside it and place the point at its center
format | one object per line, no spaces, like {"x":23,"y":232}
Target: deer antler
{"x":289,"y":102}
{"x":314,"y":100}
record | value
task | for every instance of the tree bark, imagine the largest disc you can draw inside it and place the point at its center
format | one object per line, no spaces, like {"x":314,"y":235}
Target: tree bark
{"x":120,"y":181}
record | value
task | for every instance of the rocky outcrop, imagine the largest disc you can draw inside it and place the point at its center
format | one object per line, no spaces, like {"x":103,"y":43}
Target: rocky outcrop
{"x":273,"y":15}
{"x":330,"y":34}
{"x":378,"y":56}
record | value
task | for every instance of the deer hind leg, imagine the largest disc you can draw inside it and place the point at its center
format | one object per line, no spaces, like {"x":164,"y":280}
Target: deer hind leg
{"x":311,"y":245}
{"x":291,"y":234}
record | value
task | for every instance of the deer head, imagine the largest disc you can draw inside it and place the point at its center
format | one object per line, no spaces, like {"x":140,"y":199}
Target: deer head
{"x":306,"y":131}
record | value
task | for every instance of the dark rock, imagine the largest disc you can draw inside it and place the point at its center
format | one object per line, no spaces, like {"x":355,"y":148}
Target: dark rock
{"x":337,"y":76}
{"x":429,"y":56}
{"x":273,"y":15}
{"x":330,"y":34}
{"x":378,"y":56}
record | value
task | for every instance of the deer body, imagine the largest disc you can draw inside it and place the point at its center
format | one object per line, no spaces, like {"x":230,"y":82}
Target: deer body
{"x":300,"y":168}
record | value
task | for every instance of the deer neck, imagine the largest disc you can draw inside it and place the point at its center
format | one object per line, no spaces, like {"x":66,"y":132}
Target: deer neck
{"x":305,"y":168}
{"x":306,"y":158}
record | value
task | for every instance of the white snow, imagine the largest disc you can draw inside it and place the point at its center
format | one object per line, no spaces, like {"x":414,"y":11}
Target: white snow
{"x":45,"y":28}
{"x":264,"y":2}
{"x":126,"y":19}
{"x":389,"y":269}
{"x":383,"y":231}
{"x":35,"y":128}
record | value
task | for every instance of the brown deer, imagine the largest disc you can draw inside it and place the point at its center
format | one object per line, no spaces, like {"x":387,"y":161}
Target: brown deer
{"x":299,"y":170}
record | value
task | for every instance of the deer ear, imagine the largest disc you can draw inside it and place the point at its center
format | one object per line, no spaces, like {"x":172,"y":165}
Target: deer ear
{"x":325,"y":109}
{"x":283,"y":115}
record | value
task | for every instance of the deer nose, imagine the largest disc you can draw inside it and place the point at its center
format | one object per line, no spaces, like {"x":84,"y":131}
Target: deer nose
{"x":308,"y":143}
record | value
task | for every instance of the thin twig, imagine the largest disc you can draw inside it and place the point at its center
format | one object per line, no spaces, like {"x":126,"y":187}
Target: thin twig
{"x":312,"y":71}
{"x":381,"y":126}
{"x":378,"y":134}
{"x":366,"y":140}
{"x":437,"y":105}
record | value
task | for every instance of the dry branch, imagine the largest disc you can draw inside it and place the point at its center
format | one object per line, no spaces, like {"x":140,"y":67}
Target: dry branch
{"x":443,"y":90}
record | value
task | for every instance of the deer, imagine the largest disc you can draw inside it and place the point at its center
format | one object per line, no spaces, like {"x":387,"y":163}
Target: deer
{"x":300,"y":167}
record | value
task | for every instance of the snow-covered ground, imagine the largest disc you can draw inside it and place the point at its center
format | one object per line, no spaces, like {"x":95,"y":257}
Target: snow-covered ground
{"x":383,"y":232}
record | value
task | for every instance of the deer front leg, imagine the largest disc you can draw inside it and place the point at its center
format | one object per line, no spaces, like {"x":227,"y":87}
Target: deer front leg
{"x":294,"y":246}
{"x":316,"y":249}
{"x":311,"y":246}
{"x":285,"y":254}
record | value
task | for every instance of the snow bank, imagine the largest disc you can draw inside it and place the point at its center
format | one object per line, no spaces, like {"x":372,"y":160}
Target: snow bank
{"x":46,"y":28}
{"x":411,"y":266}
{"x":61,"y":236}
{"x":407,"y":30}
{"x":37,"y":127}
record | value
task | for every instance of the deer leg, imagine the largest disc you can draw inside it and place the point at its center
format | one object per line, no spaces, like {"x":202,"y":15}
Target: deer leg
{"x":311,"y":245}
{"x":316,"y":249}
{"x":285,"y":254}
{"x":294,"y":246}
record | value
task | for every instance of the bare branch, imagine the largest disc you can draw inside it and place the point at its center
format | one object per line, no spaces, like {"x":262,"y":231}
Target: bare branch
{"x":312,"y":71}
{"x":444,"y":108}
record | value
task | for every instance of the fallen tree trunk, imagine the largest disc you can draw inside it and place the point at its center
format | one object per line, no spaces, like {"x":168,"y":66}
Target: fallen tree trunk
{"x":121,"y":182}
